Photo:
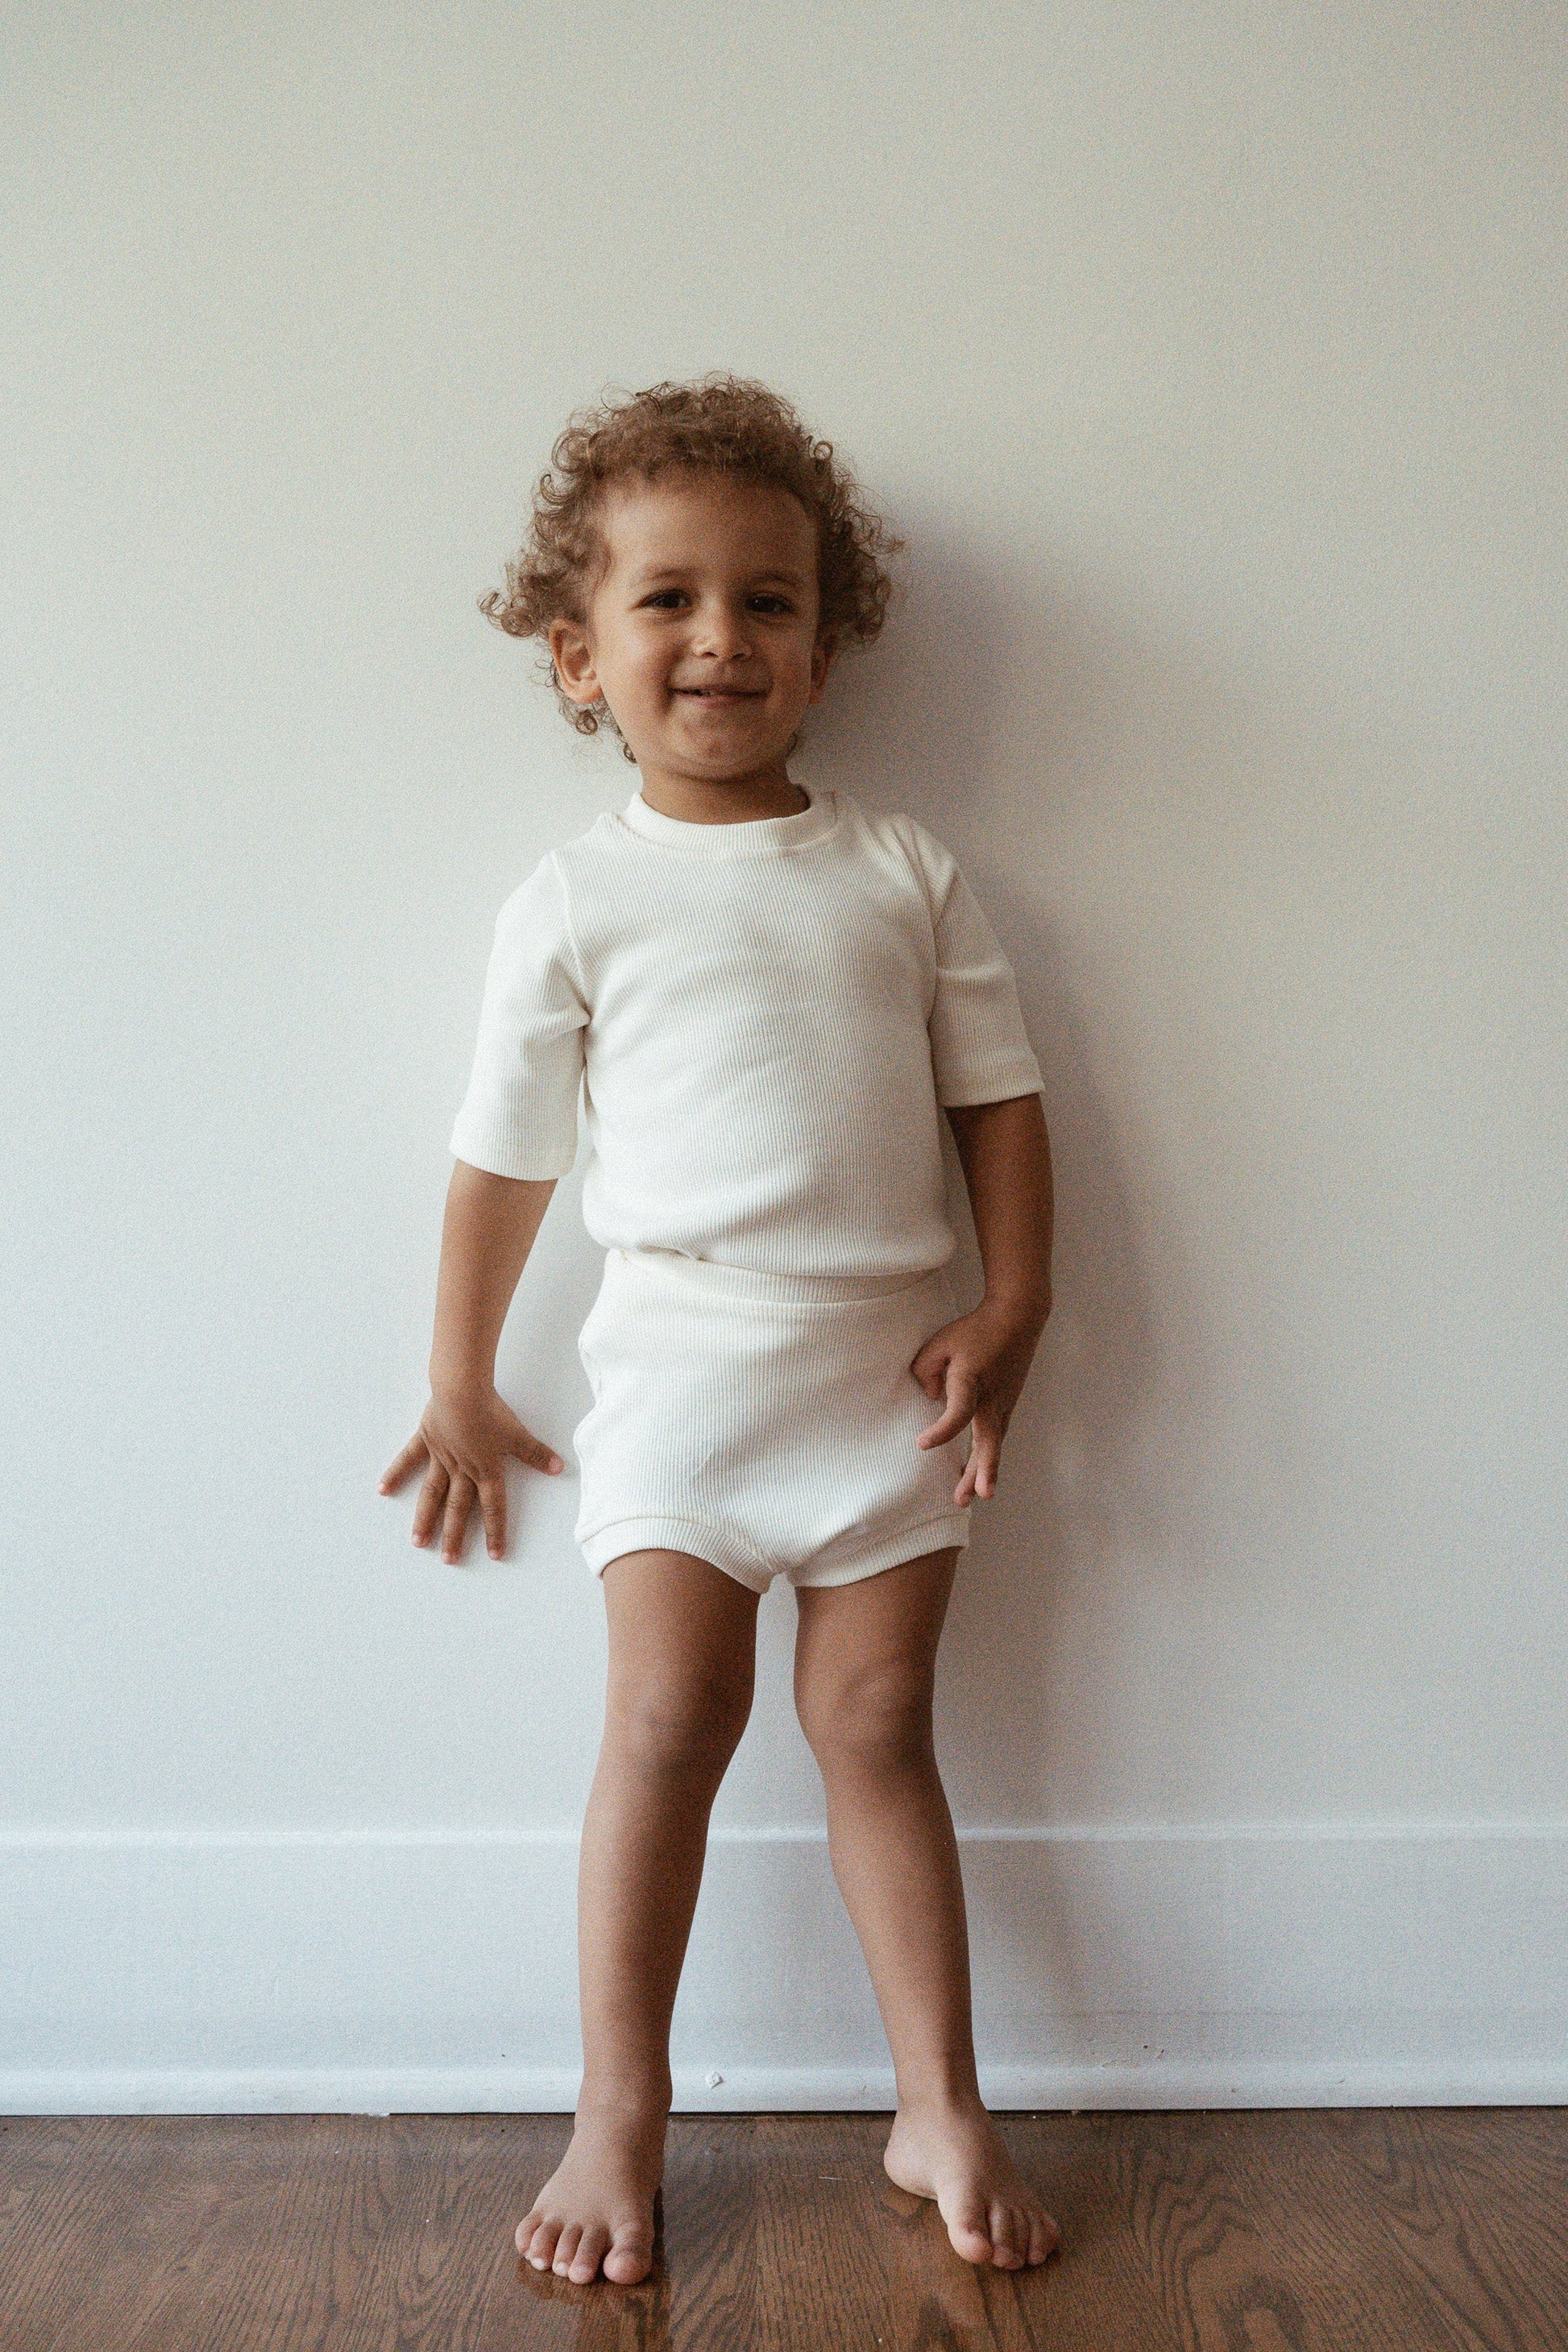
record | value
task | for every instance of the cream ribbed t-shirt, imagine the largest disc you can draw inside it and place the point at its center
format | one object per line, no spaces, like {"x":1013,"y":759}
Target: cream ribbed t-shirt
{"x":764,"y":1018}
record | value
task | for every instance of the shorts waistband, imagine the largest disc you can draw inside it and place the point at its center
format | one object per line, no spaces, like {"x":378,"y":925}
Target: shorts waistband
{"x":703,"y":1274}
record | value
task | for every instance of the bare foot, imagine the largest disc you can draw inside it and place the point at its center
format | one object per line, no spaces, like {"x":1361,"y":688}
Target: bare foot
{"x":955,"y":2155}
{"x":597,"y":2205}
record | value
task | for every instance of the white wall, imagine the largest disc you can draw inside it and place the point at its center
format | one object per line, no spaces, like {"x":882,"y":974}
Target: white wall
{"x":1212,"y":361}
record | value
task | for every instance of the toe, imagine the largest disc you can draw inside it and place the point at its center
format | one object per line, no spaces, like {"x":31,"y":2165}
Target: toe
{"x":1005,"y":2250}
{"x":966,"y":2226}
{"x":524,"y":2233}
{"x":1044,"y":2237}
{"x":591,"y":2247}
{"x":541,"y":2253}
{"x":631,"y":2256}
{"x":565,"y":2247}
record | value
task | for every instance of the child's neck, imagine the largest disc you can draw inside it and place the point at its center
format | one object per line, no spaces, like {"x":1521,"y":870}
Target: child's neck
{"x":725,"y":800}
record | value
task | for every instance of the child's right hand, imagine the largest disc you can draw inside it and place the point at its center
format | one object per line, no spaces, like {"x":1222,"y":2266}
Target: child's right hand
{"x":466,"y":1439}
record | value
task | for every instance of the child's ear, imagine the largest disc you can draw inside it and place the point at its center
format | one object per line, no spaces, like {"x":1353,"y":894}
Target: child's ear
{"x":572,"y":653}
{"x":822,"y":654}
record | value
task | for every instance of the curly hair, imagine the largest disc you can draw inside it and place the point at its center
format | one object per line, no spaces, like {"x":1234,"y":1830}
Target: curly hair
{"x":719,"y":423}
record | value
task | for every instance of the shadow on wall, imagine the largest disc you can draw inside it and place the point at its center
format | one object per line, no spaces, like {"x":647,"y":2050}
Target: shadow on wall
{"x":987,"y":714}
{"x":984,"y":714}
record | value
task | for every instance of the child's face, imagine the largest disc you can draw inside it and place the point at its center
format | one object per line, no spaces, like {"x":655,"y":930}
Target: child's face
{"x":702,"y":631}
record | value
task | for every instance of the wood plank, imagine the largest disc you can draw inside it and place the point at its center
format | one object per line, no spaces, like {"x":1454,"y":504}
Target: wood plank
{"x":1428,"y":2231}
{"x":355,"y":2231}
{"x":80,"y":2199}
{"x":1464,"y":2208}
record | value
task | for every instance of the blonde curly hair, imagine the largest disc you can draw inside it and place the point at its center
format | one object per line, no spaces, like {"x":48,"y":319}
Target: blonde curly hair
{"x":718,"y":423}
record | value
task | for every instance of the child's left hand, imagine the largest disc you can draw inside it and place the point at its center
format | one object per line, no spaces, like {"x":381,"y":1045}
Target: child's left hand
{"x":977,"y":1365}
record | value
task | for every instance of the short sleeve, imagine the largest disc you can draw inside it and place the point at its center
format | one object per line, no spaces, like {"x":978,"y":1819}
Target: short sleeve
{"x":519,"y":1117}
{"x":980,"y":1049}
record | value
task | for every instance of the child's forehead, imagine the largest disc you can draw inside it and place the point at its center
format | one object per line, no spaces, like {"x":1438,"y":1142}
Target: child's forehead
{"x":687,"y":516}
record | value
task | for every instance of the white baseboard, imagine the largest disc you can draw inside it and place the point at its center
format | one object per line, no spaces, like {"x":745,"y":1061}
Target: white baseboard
{"x":1305,"y":1965}
{"x":779,"y":2090}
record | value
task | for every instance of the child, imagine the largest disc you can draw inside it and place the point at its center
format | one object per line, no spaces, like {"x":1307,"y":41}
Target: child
{"x":769,"y":992}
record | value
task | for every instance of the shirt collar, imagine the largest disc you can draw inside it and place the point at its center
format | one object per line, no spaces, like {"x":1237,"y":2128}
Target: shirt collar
{"x":746,"y":839}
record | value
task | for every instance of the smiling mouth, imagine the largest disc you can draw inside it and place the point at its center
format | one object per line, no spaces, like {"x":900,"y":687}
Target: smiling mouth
{"x":721,"y":693}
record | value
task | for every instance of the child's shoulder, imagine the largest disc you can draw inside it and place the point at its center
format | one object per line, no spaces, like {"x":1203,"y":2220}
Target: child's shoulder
{"x":547,"y":880}
{"x":904,"y":836}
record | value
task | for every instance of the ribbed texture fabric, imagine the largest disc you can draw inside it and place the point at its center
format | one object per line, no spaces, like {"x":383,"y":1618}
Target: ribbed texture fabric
{"x":766,"y":1422}
{"x":766,"y":1015}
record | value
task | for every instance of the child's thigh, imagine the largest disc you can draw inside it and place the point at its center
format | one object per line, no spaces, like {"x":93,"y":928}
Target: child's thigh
{"x":886,"y":1626}
{"x":678,"y":1625}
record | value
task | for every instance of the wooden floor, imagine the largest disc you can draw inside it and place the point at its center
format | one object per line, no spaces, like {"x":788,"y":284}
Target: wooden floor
{"x":1367,"y":2231}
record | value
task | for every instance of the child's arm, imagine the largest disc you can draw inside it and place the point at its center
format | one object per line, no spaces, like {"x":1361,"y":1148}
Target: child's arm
{"x":467,"y":1431}
{"x":978,"y":1364}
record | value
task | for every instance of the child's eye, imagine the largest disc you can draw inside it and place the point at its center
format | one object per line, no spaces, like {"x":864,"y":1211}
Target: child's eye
{"x":665,"y":599}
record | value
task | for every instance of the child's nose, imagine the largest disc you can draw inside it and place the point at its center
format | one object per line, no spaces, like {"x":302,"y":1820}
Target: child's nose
{"x":721,"y":630}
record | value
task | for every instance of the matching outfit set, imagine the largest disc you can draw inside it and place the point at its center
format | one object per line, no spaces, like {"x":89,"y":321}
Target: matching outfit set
{"x":764,"y":1020}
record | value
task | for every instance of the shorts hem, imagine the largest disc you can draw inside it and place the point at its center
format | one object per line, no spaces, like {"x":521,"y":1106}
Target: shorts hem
{"x":701,"y":1537}
{"x":949,"y":1530}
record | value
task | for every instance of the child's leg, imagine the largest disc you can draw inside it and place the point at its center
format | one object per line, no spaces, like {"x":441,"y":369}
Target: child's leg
{"x":682,"y":1654}
{"x":865,"y":1666}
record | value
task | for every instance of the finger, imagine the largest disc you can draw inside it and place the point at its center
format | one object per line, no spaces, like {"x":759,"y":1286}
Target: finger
{"x":930,"y":1365}
{"x":980,"y":1470}
{"x":427,"y":1509}
{"x":962,"y":1388}
{"x":528,"y":1448}
{"x":455,"y":1526}
{"x":413,"y":1453}
{"x":493,"y":1505}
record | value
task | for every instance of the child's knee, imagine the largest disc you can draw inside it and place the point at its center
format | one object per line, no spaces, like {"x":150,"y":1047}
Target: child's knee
{"x":876,"y":1716}
{"x":691,"y":1727}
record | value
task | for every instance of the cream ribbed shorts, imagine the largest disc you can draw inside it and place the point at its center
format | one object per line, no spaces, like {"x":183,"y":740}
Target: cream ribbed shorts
{"x":763,"y":1421}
